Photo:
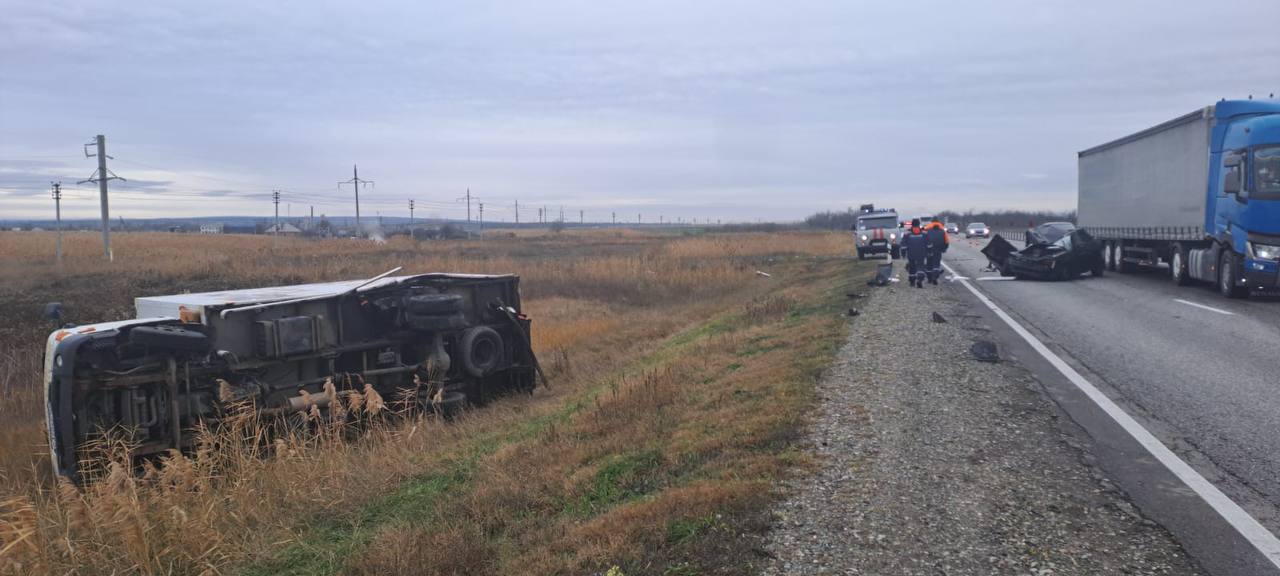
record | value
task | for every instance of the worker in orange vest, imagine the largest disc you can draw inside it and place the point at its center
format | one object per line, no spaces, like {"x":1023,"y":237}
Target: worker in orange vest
{"x":937,"y":242}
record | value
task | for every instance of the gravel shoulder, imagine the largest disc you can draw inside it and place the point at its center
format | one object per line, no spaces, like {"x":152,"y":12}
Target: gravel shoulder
{"x":931,"y":462}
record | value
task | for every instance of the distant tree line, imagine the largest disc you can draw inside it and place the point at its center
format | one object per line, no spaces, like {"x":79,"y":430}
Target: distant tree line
{"x":833,"y":220}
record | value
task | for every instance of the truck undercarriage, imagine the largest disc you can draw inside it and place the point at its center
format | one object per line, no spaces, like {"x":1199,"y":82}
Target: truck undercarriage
{"x":426,"y":339}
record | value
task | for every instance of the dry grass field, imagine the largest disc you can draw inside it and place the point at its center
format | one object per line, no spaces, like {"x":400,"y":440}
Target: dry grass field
{"x":678,"y":374}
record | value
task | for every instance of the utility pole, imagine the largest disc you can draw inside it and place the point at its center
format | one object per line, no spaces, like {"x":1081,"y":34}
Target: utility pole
{"x":543,"y":213}
{"x":355,"y":183}
{"x":517,"y":212}
{"x":311,"y":220}
{"x":468,"y":199}
{"x":482,"y":220}
{"x":411,"y":213}
{"x":57,"y":214}
{"x":562,"y":213}
{"x":102,"y":176}
{"x":580,"y":217}
{"x":275,"y":199}
{"x":615,"y":218}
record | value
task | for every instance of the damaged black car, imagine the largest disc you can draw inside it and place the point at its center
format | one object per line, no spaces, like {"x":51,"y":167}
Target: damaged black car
{"x":1054,"y":251}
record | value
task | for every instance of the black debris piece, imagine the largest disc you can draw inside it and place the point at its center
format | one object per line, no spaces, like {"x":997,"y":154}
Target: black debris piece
{"x":985,"y":351}
{"x":938,"y":318}
{"x":854,"y":312}
{"x":854,"y":295}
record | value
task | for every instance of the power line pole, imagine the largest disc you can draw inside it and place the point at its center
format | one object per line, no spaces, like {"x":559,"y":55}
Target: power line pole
{"x":275,"y":199}
{"x":411,"y":213}
{"x":355,"y":183}
{"x":102,"y":176}
{"x":517,"y":212}
{"x":580,"y":217}
{"x":57,"y":214}
{"x":311,"y":220}
{"x":562,"y":213}
{"x":482,"y":220}
{"x":468,"y":199}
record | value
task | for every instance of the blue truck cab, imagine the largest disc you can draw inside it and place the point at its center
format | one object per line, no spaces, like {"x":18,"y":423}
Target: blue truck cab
{"x":1200,"y":193}
{"x":1244,"y":189}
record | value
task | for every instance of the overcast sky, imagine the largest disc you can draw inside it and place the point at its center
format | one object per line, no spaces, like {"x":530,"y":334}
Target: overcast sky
{"x":733,"y":110}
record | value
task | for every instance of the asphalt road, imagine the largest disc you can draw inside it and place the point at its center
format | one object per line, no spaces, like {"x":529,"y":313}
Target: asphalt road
{"x":1204,"y":379}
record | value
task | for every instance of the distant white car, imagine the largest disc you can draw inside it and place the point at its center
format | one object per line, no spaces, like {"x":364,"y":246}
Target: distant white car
{"x":953,"y":228}
{"x":977,"y":229}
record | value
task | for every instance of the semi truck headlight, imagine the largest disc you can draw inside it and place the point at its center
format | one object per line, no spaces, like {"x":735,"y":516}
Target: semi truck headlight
{"x":1266,"y":252}
{"x":893,"y":236}
{"x":864,"y":237}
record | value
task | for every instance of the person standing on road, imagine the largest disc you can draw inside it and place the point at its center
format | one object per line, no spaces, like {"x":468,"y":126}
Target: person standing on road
{"x":936,"y":241}
{"x":915,"y":246}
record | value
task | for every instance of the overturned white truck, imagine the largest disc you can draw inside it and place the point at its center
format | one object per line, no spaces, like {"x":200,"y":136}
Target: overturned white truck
{"x":186,"y":357}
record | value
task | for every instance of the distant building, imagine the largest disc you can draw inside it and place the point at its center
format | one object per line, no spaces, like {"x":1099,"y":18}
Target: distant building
{"x":213,"y":228}
{"x":285,"y":229}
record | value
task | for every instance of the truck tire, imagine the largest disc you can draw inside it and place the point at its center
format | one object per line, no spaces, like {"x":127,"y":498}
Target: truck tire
{"x":1178,"y":266}
{"x":434,"y":304}
{"x":1122,"y":266}
{"x":861,"y":255}
{"x":481,"y":351}
{"x":1109,"y":255}
{"x":1227,"y":276}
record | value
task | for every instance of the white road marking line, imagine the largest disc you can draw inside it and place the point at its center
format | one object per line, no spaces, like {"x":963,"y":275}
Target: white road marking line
{"x":1203,"y":307}
{"x":992,"y":278}
{"x":1248,"y":527}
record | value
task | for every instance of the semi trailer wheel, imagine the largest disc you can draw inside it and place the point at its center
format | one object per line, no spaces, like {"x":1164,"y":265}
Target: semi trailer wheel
{"x":1178,"y":266}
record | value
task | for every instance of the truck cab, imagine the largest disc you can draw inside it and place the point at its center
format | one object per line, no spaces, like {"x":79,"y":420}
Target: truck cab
{"x":1244,"y":189}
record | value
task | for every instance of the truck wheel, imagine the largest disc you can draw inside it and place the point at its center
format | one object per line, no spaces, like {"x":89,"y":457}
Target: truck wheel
{"x":1121,"y":265}
{"x":1109,"y":255}
{"x":1178,"y":266}
{"x":1227,"y":277}
{"x":481,"y":351}
{"x":1097,"y":269}
{"x":861,"y":255}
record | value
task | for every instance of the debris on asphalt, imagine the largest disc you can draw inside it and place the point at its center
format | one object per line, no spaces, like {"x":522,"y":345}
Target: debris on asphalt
{"x":926,"y":465}
{"x":854,"y":295}
{"x":853,"y":312}
{"x":763,"y":274}
{"x":938,"y":318}
{"x":985,"y":351}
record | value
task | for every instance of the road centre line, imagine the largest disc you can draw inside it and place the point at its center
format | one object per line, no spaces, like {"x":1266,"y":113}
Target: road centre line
{"x":1203,"y":307}
{"x":1247,"y":526}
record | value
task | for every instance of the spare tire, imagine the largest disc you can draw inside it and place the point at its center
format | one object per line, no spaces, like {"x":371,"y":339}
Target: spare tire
{"x":481,"y":350}
{"x":434,"y":304}
{"x":171,"y":338}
